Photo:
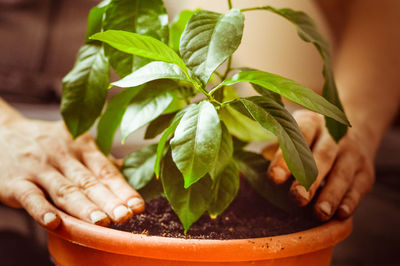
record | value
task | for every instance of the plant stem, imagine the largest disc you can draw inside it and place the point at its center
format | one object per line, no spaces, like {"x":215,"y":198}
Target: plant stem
{"x":230,"y":4}
{"x":255,"y":8}
{"x":228,"y":68}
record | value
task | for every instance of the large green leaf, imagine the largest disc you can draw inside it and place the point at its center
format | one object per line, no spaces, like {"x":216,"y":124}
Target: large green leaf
{"x":189,"y":204}
{"x":152,"y":19}
{"x":240,"y":125}
{"x":243,"y":127}
{"x":177,"y":27}
{"x":85,"y":89}
{"x":275,"y":118}
{"x":152,"y":190}
{"x":254,"y":168}
{"x":138,"y":167}
{"x":196,"y":142}
{"x":166,"y":135}
{"x":147,"y":105}
{"x":225,"y":189}
{"x":145,"y":46}
{"x":209,"y":39}
{"x":120,"y":15}
{"x":146,"y":17}
{"x":152,"y":71}
{"x":307,"y":31}
{"x":158,"y":125}
{"x":95,"y":20}
{"x":290,"y":90}
{"x":225,"y":152}
{"x":112,"y":116}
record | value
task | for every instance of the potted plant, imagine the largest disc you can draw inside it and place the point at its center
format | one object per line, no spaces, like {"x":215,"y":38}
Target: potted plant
{"x":171,"y":82}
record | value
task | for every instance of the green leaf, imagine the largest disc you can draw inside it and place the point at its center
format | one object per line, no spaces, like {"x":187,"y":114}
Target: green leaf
{"x":85,"y":89}
{"x":240,"y":125}
{"x":146,"y":17}
{"x":165,"y":136}
{"x":152,"y":71}
{"x":308,"y":32}
{"x":275,"y":118}
{"x":290,"y":90}
{"x":254,"y":168}
{"x":262,"y":91}
{"x":158,"y":125}
{"x":152,"y":190}
{"x":209,"y":39}
{"x":95,"y":20}
{"x":138,"y":167}
{"x":112,"y":116}
{"x":147,"y":105}
{"x":120,"y":15}
{"x":152,"y":19}
{"x":177,"y":27}
{"x":243,"y":127}
{"x":267,"y":93}
{"x":225,"y":189}
{"x":145,"y":46}
{"x":196,"y":142}
{"x":225,"y":152}
{"x":189,"y":204}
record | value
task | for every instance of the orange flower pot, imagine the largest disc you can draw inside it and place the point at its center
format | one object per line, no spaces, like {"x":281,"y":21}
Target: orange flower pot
{"x":79,"y":243}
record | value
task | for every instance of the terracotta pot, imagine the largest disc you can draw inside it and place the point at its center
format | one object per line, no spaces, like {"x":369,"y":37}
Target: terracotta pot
{"x":79,"y":243}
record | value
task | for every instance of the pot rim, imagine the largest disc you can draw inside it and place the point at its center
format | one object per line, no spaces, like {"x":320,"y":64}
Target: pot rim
{"x":158,"y":247}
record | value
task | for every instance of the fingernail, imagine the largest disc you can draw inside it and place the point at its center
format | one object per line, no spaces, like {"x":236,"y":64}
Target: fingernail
{"x":278,"y":174}
{"x":135,"y":203}
{"x":49,"y":217}
{"x":325,"y":207}
{"x":302,"y":192}
{"x":345,"y":209}
{"x":120,"y":212}
{"x":97,"y":216}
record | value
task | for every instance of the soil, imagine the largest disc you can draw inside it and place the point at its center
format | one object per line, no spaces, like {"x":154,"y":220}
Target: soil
{"x":249,"y":216}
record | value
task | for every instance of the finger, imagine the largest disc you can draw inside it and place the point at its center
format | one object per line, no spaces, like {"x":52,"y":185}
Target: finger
{"x":112,"y":178}
{"x":96,"y":191}
{"x":324,"y":151}
{"x":338,"y":183}
{"x":34,"y":202}
{"x":70,"y":198}
{"x":270,"y":150}
{"x":118,"y":162}
{"x":363,"y":182}
{"x":309,"y":125}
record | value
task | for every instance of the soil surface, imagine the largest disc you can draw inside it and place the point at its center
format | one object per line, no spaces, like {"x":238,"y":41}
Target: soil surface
{"x":249,"y":216}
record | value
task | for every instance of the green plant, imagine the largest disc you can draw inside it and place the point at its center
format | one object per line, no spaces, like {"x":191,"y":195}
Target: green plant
{"x":197,"y":160}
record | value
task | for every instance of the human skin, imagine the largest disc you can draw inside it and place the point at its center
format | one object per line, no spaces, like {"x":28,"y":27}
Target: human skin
{"x":40,"y":160}
{"x":367,"y":62}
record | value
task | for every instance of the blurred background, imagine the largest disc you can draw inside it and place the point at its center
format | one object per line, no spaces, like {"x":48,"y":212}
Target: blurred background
{"x":39,"y":41}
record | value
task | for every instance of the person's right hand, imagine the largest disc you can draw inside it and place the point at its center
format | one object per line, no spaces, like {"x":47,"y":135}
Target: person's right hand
{"x":345,"y":169}
{"x":39,"y":159}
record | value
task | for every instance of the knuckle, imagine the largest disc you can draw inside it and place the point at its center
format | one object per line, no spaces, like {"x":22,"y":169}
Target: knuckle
{"x":108,"y":172}
{"x":326,"y":155}
{"x":87,"y":182}
{"x":27,"y":195}
{"x":65,"y":190}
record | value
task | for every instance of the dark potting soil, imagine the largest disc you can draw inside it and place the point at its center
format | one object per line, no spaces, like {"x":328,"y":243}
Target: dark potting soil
{"x":249,"y":216}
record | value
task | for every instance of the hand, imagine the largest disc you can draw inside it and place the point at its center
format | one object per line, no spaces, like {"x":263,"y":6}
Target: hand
{"x":346,"y":170}
{"x":39,"y":159}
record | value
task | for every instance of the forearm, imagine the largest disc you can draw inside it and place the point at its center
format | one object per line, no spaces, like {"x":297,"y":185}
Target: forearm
{"x":367,"y":68}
